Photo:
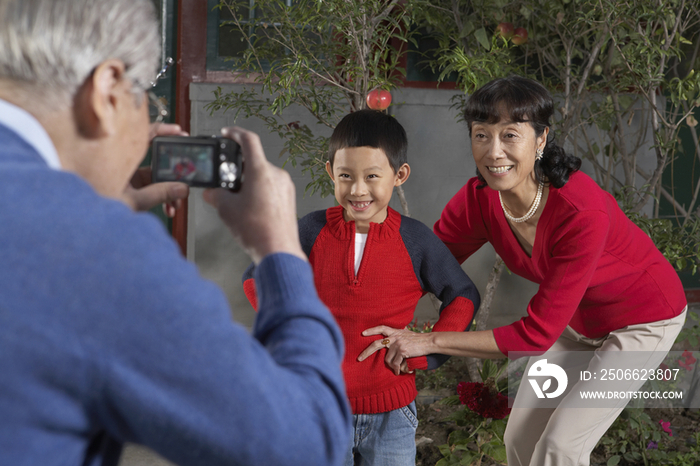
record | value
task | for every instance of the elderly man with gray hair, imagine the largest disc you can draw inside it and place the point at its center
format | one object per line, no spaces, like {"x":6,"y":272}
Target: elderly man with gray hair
{"x":107,"y":335}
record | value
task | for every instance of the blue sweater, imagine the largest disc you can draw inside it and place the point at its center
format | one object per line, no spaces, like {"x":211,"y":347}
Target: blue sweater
{"x":107,"y":336}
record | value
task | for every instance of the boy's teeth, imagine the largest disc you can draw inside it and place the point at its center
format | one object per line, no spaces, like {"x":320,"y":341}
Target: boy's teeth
{"x":499,"y":169}
{"x":361,"y":205}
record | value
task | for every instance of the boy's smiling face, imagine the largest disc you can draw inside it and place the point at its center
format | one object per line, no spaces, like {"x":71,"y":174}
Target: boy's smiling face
{"x":364,"y":182}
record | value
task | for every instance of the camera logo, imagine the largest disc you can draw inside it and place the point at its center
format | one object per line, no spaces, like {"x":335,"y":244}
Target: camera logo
{"x":543,"y":369}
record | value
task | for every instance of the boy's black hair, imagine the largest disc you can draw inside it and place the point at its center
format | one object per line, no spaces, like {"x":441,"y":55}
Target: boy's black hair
{"x":523,"y":100}
{"x":371,"y":128}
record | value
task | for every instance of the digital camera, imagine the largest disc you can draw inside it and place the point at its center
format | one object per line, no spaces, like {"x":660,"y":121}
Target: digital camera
{"x":199,"y":161}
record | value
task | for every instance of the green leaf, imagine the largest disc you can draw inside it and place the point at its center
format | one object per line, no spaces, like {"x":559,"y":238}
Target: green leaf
{"x":467,"y":29}
{"x":498,"y":427}
{"x":483,"y":39}
{"x":496,"y":450}
{"x":613,"y":460}
{"x":489,"y":369}
{"x":468,"y":458}
{"x":525,"y":12}
{"x":451,"y":400}
{"x":445,"y":450}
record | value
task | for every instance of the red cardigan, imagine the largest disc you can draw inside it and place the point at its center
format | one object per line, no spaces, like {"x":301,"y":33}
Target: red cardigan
{"x":597,"y":271}
{"x":402,"y":261}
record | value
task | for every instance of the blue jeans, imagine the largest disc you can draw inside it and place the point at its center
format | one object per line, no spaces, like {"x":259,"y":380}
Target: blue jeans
{"x":384,"y":439}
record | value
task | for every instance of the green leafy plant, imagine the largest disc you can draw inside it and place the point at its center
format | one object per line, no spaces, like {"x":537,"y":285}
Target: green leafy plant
{"x":324,"y":56}
{"x":481,"y":423}
{"x":629,"y":438}
{"x":678,"y":242}
{"x":425,"y":327}
{"x":676,"y":458}
{"x":691,"y":333}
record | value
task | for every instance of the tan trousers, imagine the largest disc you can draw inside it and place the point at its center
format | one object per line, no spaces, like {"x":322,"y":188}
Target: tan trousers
{"x":566,"y":436}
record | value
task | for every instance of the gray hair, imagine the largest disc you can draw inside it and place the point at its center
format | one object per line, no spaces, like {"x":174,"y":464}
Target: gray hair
{"x":50,"y":47}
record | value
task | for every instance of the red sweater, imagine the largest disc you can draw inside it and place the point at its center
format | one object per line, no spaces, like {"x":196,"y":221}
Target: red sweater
{"x":597,"y":270}
{"x":402,"y":261}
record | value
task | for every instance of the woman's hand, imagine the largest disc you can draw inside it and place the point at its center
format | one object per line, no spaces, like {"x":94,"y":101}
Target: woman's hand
{"x":141,"y":195}
{"x":400,"y":344}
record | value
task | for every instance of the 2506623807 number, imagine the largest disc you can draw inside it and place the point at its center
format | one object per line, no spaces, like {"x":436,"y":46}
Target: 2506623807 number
{"x":632,"y":374}
{"x":639,"y":374}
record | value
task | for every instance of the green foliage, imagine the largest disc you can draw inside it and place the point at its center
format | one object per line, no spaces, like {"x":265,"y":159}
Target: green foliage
{"x":476,"y":437}
{"x":629,"y":437}
{"x":439,"y":378}
{"x":680,"y":244}
{"x":324,"y":56}
{"x":467,"y":46}
{"x":634,"y":438}
{"x":676,"y":458}
{"x":425,"y":327}
{"x":691,"y":333}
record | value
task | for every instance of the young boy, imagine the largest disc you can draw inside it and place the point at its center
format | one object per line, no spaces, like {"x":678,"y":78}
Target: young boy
{"x":371,"y":266}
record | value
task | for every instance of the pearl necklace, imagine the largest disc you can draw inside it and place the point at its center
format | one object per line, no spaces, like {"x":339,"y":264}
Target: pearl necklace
{"x":530,"y":213}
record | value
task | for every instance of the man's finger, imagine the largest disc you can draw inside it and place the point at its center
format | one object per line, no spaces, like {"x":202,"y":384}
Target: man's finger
{"x":251,"y":146}
{"x":215,"y":196}
{"x":158,"y":193}
{"x":166,"y":129}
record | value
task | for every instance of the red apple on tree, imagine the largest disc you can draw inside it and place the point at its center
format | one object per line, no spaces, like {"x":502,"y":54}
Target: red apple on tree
{"x":505,"y":30}
{"x":519,"y":36}
{"x":378,"y":99}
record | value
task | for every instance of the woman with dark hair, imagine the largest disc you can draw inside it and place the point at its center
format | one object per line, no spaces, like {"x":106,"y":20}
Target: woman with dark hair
{"x":604,"y":288}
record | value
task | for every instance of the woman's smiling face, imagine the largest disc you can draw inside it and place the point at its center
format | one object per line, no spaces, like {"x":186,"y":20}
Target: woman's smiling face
{"x":504,"y":153}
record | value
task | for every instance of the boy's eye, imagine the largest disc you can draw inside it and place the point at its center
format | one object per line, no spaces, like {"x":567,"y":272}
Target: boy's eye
{"x":371,"y":176}
{"x":343,"y":175}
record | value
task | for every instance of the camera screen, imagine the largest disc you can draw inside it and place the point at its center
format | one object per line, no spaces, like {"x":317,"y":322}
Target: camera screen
{"x":185,"y":162}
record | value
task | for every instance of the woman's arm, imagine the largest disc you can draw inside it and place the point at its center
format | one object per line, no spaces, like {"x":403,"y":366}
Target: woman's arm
{"x":404,"y":344}
{"x":461,"y":224}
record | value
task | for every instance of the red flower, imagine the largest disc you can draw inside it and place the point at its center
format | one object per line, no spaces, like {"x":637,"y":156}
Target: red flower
{"x":689,"y":360}
{"x":666,"y":426}
{"x":687,"y":364}
{"x":483,"y":400}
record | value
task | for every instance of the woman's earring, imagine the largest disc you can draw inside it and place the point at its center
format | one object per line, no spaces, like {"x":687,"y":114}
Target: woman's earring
{"x":539,"y":155}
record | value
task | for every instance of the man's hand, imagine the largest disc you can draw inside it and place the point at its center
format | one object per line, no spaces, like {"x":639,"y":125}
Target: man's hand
{"x":142,"y":195}
{"x":262,"y":215}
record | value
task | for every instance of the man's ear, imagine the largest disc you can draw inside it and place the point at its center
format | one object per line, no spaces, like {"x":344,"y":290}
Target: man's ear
{"x":99,"y":99}
{"x":402,"y":174}
{"x":329,"y":170}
